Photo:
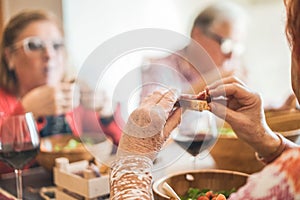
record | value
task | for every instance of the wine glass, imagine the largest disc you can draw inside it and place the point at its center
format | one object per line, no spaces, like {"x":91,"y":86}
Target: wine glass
{"x":19,"y":143}
{"x":196,"y":133}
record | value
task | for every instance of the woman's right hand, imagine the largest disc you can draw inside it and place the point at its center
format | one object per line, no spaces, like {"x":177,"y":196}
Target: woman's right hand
{"x":244,"y":112}
{"x":149,"y":126}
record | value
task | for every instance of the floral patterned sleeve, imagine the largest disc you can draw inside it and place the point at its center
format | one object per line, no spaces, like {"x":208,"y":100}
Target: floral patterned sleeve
{"x":278,"y":180}
{"x":131,"y":178}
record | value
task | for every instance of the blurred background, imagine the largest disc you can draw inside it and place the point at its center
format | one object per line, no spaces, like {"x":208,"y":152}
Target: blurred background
{"x":88,"y":23}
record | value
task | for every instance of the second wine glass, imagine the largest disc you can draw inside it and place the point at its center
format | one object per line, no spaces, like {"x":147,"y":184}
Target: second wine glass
{"x":19,"y":143}
{"x":196,"y":133}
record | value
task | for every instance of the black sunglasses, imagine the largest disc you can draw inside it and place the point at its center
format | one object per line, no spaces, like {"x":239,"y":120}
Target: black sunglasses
{"x":227,"y":46}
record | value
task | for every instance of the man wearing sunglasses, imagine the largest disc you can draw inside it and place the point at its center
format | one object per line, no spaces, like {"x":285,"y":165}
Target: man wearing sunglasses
{"x":219,"y":29}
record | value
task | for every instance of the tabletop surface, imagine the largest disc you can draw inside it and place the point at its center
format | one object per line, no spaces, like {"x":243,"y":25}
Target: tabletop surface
{"x":33,"y":180}
{"x":171,"y":159}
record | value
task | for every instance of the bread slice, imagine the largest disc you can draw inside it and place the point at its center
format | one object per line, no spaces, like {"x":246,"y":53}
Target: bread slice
{"x":198,"y":105}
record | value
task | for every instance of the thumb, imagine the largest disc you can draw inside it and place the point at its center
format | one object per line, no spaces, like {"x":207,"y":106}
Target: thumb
{"x":172,"y":123}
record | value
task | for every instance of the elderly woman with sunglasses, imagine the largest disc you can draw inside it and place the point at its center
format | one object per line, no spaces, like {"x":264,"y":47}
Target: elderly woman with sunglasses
{"x":31,"y":72}
{"x":279,"y":180}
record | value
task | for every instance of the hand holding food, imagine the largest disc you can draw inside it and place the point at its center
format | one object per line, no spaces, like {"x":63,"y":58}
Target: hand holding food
{"x":244,"y":112}
{"x":47,"y":100}
{"x":244,"y":109}
{"x":147,"y":129}
{"x":40,"y":101}
{"x":149,"y":126}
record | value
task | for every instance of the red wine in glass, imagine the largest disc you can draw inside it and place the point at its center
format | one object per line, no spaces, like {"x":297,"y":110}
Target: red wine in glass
{"x":197,"y":132}
{"x":194,"y":144}
{"x":19,"y":143}
{"x":17,"y":159}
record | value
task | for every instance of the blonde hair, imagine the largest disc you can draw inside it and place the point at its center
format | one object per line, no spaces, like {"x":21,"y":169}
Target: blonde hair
{"x":8,"y":79}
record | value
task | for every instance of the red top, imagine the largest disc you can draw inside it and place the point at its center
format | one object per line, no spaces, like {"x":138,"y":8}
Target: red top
{"x":79,"y":120}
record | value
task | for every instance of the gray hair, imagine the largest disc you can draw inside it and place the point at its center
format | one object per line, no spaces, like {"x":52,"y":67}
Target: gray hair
{"x":221,"y":11}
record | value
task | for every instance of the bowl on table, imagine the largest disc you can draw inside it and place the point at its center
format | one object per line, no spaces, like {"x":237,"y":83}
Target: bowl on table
{"x":233,"y":154}
{"x":286,"y":122}
{"x":212,"y":179}
{"x":56,"y":146}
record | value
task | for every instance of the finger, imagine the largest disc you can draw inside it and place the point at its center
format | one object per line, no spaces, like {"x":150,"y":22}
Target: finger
{"x":67,"y":92}
{"x":226,"y":80}
{"x":224,"y":112}
{"x":68,"y":80}
{"x":67,"y":87}
{"x":168,"y":100}
{"x":172,"y":122}
{"x":152,"y":99}
{"x":233,"y":89}
{"x":233,"y":79}
{"x":218,"y":109}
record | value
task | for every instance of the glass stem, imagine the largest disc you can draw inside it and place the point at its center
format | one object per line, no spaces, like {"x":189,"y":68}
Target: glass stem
{"x":18,"y":173}
{"x":194,"y":162}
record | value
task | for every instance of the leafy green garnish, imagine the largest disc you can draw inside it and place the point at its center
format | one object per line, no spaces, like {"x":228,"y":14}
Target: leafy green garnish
{"x":194,"y":193}
{"x":72,"y":144}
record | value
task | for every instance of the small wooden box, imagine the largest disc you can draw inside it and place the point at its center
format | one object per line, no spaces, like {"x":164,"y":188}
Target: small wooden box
{"x":66,"y":179}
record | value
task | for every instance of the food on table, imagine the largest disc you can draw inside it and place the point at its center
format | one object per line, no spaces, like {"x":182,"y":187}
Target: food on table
{"x":72,"y":144}
{"x":206,"y":194}
{"x":197,"y":102}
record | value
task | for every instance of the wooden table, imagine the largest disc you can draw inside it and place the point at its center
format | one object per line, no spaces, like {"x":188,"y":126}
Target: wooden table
{"x":170,"y":160}
{"x":33,"y":180}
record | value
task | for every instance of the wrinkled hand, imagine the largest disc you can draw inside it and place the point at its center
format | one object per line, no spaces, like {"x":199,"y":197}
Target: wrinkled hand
{"x":244,"y":109}
{"x":244,"y":112}
{"x":47,"y":100}
{"x":150,"y":125}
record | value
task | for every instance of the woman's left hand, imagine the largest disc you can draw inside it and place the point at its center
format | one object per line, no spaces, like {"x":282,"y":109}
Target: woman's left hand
{"x":244,"y":112}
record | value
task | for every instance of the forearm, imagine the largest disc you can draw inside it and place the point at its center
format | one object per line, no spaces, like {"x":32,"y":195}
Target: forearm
{"x":131,"y":178}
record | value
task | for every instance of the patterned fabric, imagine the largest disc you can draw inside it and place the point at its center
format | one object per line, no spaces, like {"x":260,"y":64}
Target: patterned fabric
{"x":280,"y":180}
{"x":130,"y":178}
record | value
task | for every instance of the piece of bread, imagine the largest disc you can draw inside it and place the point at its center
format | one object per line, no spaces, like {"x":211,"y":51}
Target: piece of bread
{"x":193,"y":104}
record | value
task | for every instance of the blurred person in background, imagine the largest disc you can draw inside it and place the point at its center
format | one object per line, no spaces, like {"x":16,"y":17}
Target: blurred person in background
{"x":214,"y":51}
{"x":220,"y":29}
{"x":33,"y":79}
{"x":244,"y":112}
